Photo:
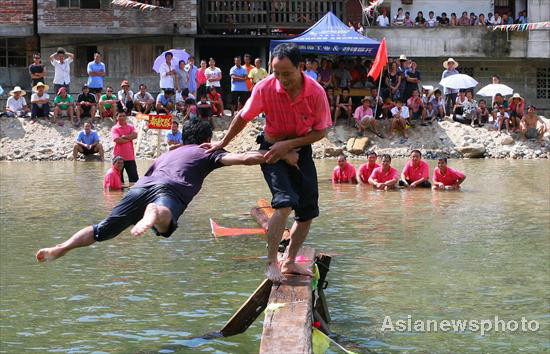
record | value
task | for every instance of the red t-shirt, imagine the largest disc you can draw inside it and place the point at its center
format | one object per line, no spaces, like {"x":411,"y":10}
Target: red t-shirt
{"x":413,"y":174}
{"x":125,"y":150}
{"x":379,"y":176}
{"x":450,"y":177}
{"x":365,"y":172}
{"x":112,"y":180}
{"x":345,"y":175}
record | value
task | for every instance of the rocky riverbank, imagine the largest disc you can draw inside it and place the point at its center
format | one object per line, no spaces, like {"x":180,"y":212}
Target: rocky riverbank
{"x":21,"y":139}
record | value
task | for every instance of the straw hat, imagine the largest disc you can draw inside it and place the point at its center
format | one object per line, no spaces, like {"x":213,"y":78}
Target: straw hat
{"x":366,"y":98}
{"x":18,"y":89}
{"x":40,"y":84}
{"x":446,"y":63}
{"x":516,"y":95}
{"x":402,"y":57}
{"x":124,"y":83}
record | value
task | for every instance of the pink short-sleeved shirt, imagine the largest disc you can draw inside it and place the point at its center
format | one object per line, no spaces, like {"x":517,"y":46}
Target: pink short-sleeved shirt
{"x":284,"y":117}
{"x":451,"y":176}
{"x":345,"y":175}
{"x":365,"y":171}
{"x":379,"y":176}
{"x":112,"y":180}
{"x":125,"y":150}
{"x":413,"y":174}
{"x":360,"y":112}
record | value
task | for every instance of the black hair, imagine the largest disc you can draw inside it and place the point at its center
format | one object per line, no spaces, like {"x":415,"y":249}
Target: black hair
{"x":444,"y":14}
{"x":97,"y":53}
{"x":531,"y":106}
{"x":191,"y":57}
{"x":371,"y":153}
{"x":169,"y":53}
{"x":290,"y":51}
{"x":181,"y":61}
{"x":399,"y":100}
{"x":237,"y":56}
{"x":185,"y":92}
{"x":431,"y":12}
{"x":386,"y":156}
{"x":196,"y":132}
{"x":189,"y":101}
{"x":116,"y":158}
{"x":169,"y":91}
{"x":442,"y":159}
{"x":175,"y":122}
{"x":345,"y":89}
{"x":498,"y":95}
{"x":37,"y":54}
{"x":418,"y":151}
{"x":61,"y":50}
{"x":482,"y":100}
{"x":142,"y":85}
{"x":109,"y":87}
{"x":247,"y":55}
{"x":210,"y":88}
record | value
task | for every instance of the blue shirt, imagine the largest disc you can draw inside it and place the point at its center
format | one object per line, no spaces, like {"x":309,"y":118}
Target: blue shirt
{"x":95,"y":81}
{"x":311,"y":74}
{"x":192,"y":70}
{"x":175,"y":138}
{"x":163,"y":100}
{"x":238,"y":85}
{"x":88,"y":139}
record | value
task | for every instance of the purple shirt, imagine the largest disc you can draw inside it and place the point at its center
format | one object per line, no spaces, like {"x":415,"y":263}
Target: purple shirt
{"x":183,"y":169}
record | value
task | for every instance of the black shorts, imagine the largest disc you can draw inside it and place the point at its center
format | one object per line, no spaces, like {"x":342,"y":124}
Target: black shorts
{"x":86,"y":151}
{"x":239,"y":97}
{"x":95,"y":90}
{"x":132,"y":207}
{"x":86,"y":111}
{"x":424,"y":184}
{"x":292,"y":187}
{"x":131,"y":169}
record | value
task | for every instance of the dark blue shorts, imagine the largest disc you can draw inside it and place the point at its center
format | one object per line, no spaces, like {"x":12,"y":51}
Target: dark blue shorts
{"x":292,"y":187}
{"x":132,"y":207}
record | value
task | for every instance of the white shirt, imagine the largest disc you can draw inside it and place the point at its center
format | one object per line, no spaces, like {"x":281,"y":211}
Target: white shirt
{"x":143,"y":99}
{"x":212,"y":74}
{"x":62,"y":71}
{"x":179,"y":97}
{"x":124,"y":97}
{"x":383,"y":21}
{"x":35,"y":97}
{"x":404,"y":111}
{"x":16,"y":105}
{"x":166,"y":80}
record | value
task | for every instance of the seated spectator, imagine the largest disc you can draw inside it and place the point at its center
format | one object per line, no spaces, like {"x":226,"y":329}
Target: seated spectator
{"x":343,"y":105}
{"x":16,"y":106}
{"x":364,"y":117}
{"x":416,"y":172}
{"x":365,"y":170}
{"x":471,"y":110}
{"x":190,"y":110}
{"x":510,"y":20}
{"x":445,"y":178}
{"x":483,"y":112}
{"x":416,"y":108}
{"x":522,"y":18}
{"x":341,"y":76}
{"x":443,"y":20}
{"x":499,"y":100}
{"x":454,"y":20}
{"x":174,"y":137}
{"x":420,"y":21}
{"x":344,"y":172}
{"x":63,"y":107}
{"x":205,"y":109}
{"x":400,"y":115}
{"x":387,"y":107}
{"x":490,"y":19}
{"x":429,"y":113}
{"x":165,"y":102}
{"x":473,"y":19}
{"x":325,"y":73}
{"x":40,"y":101}
{"x":432,"y":21}
{"x":399,"y":18}
{"x":143,"y":100}
{"x":87,"y":143}
{"x":458,"y":108}
{"x":107,"y":104}
{"x":464,"y":20}
{"x":125,"y":101}
{"x":427,"y":93}
{"x":216,"y":100}
{"x":481,"y":20}
{"x":309,"y":69}
{"x":112,"y":180}
{"x":382,"y":20}
{"x":517,"y":109}
{"x":331,"y":101}
{"x":502,"y":119}
{"x":497,"y":20}
{"x":438,"y":104}
{"x":528,"y":127}
{"x":384,"y":177}
{"x":85,"y":104}
{"x":407,"y":21}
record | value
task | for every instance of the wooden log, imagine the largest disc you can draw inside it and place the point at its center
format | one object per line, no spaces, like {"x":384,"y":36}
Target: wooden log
{"x":263,"y":213}
{"x":288,"y":317}
{"x":321,"y":307}
{"x":249,"y":311}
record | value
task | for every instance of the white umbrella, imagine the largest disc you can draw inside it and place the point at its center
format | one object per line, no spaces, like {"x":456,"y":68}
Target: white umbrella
{"x":458,"y":81}
{"x":177,"y":55}
{"x":492,"y":89}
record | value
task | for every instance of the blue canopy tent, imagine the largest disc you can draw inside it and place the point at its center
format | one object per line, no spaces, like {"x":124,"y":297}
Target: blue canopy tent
{"x":330,"y":36}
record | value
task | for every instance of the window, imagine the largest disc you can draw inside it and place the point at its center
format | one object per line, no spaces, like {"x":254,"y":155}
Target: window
{"x":83,"y":56}
{"x":83,"y":4}
{"x":543,"y":83}
{"x":13,"y":52}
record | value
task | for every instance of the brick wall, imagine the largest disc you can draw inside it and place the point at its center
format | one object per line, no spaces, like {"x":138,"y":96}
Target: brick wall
{"x":117,"y":20}
{"x":16,"y":12}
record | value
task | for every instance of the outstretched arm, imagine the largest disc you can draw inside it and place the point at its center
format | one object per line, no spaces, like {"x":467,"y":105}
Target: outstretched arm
{"x":255,"y":158}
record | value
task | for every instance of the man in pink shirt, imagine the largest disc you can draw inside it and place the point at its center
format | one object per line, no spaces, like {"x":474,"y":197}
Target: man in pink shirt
{"x":384,"y":177}
{"x":344,"y":172}
{"x":416,"y":172}
{"x":365,"y":170}
{"x":297,"y":115}
{"x":112,"y":180}
{"x":445,"y":178}
{"x":123,"y":136}
{"x":365,"y":117}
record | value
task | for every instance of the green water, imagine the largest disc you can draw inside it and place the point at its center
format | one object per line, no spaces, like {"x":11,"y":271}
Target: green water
{"x":469,"y":255}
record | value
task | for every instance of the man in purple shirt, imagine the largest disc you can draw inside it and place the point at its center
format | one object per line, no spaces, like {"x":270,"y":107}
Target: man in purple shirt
{"x":159,"y":198}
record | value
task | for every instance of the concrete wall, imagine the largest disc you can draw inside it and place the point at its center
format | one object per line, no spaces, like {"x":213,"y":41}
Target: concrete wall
{"x":111,"y":19}
{"x":439,"y":6}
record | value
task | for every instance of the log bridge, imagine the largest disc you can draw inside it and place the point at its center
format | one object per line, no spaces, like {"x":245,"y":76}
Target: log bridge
{"x":291,"y":307}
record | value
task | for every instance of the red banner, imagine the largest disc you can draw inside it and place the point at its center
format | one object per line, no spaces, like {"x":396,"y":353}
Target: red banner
{"x":160,"y":121}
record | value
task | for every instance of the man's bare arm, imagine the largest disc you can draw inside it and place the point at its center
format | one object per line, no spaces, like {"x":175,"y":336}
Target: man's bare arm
{"x":281,"y":148}
{"x":236,"y":126}
{"x":255,"y":158}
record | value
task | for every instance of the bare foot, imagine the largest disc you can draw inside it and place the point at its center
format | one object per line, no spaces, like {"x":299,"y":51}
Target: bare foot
{"x":273,"y":273}
{"x":149,"y":219}
{"x":49,"y":254}
{"x":293,"y":268}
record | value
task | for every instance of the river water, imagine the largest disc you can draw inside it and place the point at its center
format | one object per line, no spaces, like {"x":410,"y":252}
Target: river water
{"x":469,"y":255}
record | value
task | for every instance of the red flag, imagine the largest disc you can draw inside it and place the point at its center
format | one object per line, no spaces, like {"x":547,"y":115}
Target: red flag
{"x":380,"y":61}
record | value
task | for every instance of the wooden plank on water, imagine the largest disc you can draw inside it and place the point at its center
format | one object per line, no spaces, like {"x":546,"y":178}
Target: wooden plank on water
{"x":263,"y":212}
{"x":287,"y":323}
